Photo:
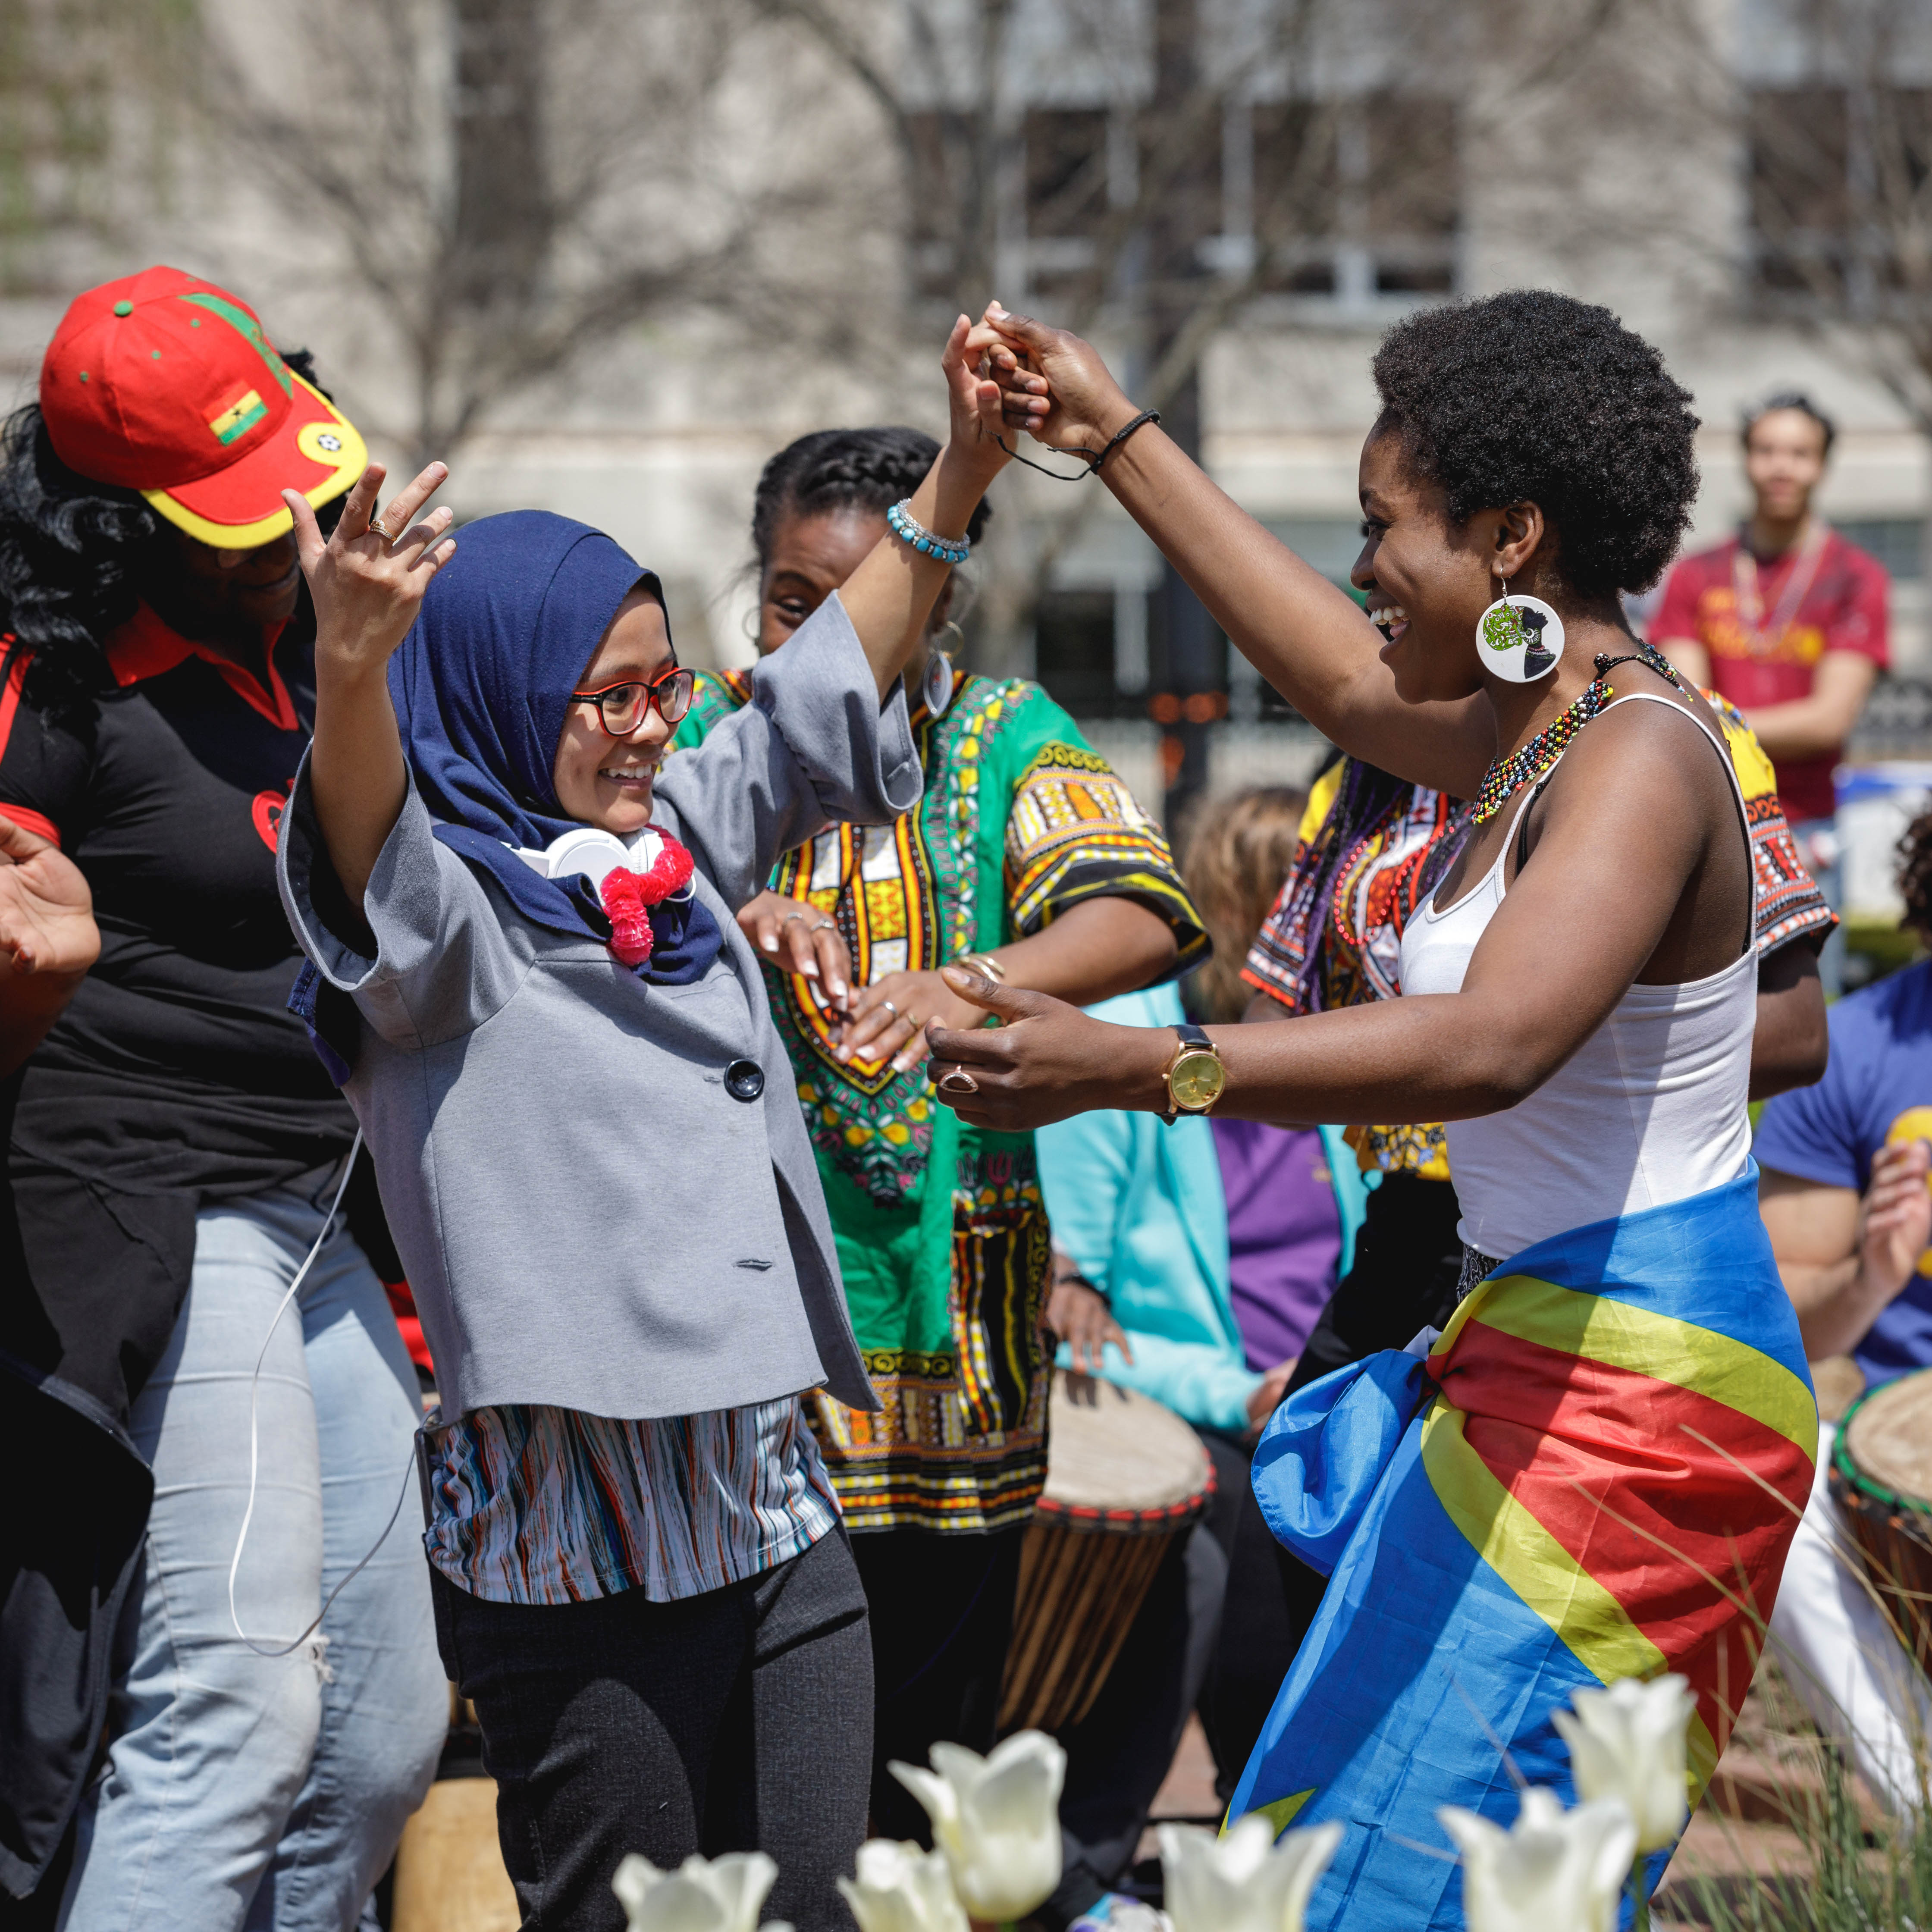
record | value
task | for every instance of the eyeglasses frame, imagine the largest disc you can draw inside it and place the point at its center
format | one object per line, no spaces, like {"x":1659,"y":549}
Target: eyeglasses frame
{"x":653,"y":698}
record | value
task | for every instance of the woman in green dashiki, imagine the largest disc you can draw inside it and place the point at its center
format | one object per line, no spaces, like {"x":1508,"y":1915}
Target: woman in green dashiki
{"x":1026,"y":850}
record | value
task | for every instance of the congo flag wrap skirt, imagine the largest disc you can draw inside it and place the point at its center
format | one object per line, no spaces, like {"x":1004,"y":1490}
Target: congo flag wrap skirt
{"x":1595,"y":1473}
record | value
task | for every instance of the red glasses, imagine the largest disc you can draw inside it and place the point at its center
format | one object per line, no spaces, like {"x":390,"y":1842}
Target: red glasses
{"x":622,"y":708}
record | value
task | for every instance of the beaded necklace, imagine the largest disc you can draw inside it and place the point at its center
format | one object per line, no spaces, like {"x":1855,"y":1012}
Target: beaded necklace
{"x":1531,"y":760}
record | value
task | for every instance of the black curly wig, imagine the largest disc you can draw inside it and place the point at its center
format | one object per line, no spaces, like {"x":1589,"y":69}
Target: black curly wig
{"x":839,"y":469}
{"x":75,"y":555}
{"x":1534,"y":397}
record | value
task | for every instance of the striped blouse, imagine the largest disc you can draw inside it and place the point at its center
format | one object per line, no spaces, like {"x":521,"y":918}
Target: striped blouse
{"x":541,"y":1505}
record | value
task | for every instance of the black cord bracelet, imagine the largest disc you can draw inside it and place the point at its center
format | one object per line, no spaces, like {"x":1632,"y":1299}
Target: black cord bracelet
{"x":1093,"y":457}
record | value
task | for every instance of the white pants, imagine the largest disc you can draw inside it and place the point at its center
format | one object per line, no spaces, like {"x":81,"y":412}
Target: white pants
{"x":1837,"y":1649}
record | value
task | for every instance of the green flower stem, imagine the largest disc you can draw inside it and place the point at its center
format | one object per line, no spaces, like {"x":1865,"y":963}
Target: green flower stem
{"x":1640,"y":1892}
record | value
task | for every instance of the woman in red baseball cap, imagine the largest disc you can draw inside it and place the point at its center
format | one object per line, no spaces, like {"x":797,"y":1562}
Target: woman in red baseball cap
{"x":175,"y":1150}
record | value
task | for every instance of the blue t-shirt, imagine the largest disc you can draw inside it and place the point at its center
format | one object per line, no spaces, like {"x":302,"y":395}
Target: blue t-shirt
{"x":1880,"y":1070}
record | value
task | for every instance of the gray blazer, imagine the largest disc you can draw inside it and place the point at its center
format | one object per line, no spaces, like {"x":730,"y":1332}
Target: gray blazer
{"x":588,"y":1216}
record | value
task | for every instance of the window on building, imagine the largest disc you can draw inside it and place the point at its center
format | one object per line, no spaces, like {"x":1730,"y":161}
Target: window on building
{"x":1898,"y":542}
{"x":942,"y":162}
{"x":1073,"y":653}
{"x":1349,"y":198}
{"x":1838,"y":177}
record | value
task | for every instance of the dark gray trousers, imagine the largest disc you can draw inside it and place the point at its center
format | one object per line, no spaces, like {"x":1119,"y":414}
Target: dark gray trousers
{"x":738,"y":1720}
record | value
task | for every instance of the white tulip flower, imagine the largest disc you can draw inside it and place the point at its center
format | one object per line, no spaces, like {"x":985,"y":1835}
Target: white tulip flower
{"x":900,"y":1888}
{"x":1245,"y":1880}
{"x":721,"y":1894}
{"x":997,"y":1819}
{"x":1555,"y":1871}
{"x":1630,"y":1742}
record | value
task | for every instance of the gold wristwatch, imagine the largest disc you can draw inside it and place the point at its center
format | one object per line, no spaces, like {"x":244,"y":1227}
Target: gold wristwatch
{"x":1196,"y":1075}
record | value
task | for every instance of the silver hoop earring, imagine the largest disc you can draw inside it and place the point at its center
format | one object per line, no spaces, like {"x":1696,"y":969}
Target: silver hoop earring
{"x":1519,"y":638}
{"x":937,"y":687}
{"x":748,"y":623}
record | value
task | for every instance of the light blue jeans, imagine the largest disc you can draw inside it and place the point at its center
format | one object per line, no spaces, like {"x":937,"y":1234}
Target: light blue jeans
{"x":245,"y":1793}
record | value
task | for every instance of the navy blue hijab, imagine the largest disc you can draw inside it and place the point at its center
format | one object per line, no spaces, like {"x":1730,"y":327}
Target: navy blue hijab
{"x":481,"y":684}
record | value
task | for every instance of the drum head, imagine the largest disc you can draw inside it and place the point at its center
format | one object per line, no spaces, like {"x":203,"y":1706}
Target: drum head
{"x":1116,"y":1460}
{"x":1887,"y":1441}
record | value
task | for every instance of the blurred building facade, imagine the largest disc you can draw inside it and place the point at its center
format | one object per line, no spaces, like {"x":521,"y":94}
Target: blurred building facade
{"x":1346,"y":163}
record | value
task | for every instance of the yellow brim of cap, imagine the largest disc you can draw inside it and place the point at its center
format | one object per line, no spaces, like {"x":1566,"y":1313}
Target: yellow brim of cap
{"x":328,"y":472}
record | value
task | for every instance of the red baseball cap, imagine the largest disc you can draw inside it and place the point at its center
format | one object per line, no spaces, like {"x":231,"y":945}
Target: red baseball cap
{"x":164,"y":383}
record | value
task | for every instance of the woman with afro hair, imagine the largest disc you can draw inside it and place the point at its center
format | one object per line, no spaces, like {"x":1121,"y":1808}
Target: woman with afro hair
{"x":1593,"y":1472}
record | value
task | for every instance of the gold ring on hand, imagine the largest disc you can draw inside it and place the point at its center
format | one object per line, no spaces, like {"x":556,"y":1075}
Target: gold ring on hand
{"x":959,"y":1081}
{"x":381,"y":529}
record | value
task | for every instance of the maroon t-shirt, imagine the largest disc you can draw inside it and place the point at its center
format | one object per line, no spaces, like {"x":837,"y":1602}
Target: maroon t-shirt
{"x":1844,"y":609}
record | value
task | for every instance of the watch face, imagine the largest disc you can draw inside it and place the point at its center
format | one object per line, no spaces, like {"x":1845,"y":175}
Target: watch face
{"x":1197,"y":1080}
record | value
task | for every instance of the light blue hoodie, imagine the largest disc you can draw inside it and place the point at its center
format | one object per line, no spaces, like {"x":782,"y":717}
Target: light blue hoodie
{"x":1139,"y":1205}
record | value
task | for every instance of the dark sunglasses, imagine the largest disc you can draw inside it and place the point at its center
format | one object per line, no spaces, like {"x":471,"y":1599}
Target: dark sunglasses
{"x":622,"y":708}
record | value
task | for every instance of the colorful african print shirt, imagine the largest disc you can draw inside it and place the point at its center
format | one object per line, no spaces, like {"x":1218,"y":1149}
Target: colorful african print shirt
{"x":535,"y":1504}
{"x":942,"y":1235}
{"x":1377,"y":886}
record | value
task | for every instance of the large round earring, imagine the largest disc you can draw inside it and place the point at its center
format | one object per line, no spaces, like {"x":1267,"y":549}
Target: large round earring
{"x":1519,"y":638}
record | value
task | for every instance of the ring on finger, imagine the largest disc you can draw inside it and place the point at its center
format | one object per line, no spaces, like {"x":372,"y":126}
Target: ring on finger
{"x":912,"y":1021}
{"x":378,"y":528}
{"x":893,"y":1009}
{"x":958,"y":1081}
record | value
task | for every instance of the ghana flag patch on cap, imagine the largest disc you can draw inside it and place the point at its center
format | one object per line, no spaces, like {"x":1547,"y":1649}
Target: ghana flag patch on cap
{"x":165,"y":383}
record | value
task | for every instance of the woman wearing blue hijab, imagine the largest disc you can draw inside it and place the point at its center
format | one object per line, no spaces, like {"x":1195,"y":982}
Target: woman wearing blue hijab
{"x":556,"y":1039}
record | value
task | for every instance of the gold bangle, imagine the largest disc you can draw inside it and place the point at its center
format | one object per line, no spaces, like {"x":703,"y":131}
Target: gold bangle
{"x":985,"y":963}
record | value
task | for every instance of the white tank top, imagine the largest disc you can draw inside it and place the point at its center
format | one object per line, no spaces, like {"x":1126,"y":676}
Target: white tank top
{"x":1649,"y":1109}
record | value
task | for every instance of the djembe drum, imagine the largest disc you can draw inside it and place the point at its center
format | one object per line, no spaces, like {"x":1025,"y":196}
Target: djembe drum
{"x":1124,"y":1478}
{"x":1882,"y":1481}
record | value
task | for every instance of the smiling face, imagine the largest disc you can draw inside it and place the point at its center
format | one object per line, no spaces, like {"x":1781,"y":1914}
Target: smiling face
{"x":811,"y":557}
{"x":601,"y":780}
{"x":1784,"y":458}
{"x":209,"y":593}
{"x":1428,"y":581}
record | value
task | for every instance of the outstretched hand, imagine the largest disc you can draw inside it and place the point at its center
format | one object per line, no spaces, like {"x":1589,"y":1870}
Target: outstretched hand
{"x":47,"y":910}
{"x":1046,"y":1061}
{"x":367,"y":588}
{"x":975,"y":405}
{"x":1052,"y":384}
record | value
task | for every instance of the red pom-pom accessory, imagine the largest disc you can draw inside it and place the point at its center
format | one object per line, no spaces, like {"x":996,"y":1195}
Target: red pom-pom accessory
{"x":628,"y":896}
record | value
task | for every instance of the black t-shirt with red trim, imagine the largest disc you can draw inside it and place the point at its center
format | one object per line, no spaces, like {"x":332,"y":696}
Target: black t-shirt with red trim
{"x":177,"y":1065}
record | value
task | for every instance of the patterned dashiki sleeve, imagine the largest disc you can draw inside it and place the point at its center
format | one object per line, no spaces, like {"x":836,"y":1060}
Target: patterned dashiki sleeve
{"x":1076,"y":832}
{"x":1789,"y":905}
{"x":1280,"y":949}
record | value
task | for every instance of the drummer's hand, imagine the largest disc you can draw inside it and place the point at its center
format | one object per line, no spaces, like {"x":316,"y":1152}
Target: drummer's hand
{"x":797,"y":937}
{"x":1895,"y":1217}
{"x":1267,"y":1398}
{"x":1046,"y":1061}
{"x":1078,"y":1315}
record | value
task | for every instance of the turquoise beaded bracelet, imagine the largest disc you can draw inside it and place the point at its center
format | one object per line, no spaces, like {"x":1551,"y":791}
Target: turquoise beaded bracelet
{"x":943,"y":549}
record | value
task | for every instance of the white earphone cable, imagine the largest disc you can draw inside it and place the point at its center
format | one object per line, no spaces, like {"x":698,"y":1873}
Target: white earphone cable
{"x":255,"y":1443}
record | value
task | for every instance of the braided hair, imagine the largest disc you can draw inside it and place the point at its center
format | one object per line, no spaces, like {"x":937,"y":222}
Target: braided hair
{"x":75,"y":557}
{"x":843,"y":468}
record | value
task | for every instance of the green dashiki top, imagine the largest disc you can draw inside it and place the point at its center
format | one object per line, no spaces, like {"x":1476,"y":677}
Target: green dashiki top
{"x":941,"y":1233}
